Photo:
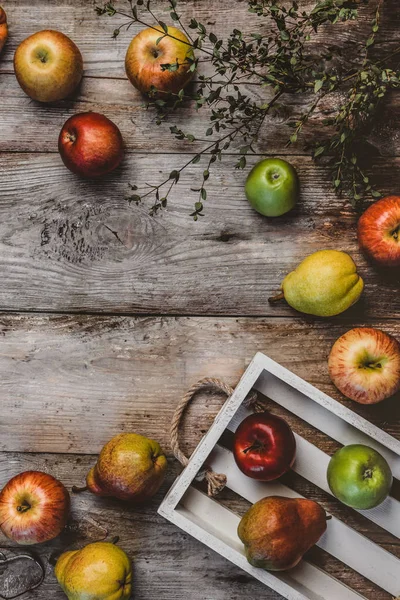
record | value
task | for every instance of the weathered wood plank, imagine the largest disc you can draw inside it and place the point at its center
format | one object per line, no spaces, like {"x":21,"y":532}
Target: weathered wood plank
{"x":71,"y":382}
{"x":78,"y":245}
{"x":104,"y":56}
{"x":28,"y":126}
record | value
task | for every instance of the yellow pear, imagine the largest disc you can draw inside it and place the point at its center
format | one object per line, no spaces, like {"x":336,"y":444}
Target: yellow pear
{"x":100,"y":571}
{"x":325,"y":284}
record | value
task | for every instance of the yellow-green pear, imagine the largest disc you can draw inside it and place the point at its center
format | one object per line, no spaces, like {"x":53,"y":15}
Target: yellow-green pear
{"x":100,"y":571}
{"x":325,"y":284}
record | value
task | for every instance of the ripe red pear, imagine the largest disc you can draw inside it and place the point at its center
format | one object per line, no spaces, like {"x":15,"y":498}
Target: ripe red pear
{"x":130,"y":467}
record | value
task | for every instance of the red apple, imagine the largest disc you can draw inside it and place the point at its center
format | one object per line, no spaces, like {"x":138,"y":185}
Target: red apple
{"x":364,"y":364}
{"x":151,"y":49}
{"x":379,"y":232}
{"x":34,"y":508}
{"x":91,"y":145}
{"x":264,"y":446}
{"x":3,"y":28}
{"x":48,"y":66}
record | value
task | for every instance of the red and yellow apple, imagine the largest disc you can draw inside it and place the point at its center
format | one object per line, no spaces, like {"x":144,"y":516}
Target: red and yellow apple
{"x":364,"y":364}
{"x":3,"y":28}
{"x":379,"y":232}
{"x":151,"y":49}
{"x":34,"y":508}
{"x":91,"y":145}
{"x":48,"y":66}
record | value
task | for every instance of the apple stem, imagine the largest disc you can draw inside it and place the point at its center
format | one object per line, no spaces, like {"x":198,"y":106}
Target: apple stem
{"x":115,"y":540}
{"x":256,"y":445}
{"x":328,"y":517}
{"x":276,"y":298}
{"x":22,"y":508}
{"x":79,"y":490}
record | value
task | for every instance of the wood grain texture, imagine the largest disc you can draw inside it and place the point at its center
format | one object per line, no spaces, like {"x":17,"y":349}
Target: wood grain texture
{"x":70,"y":382}
{"x":104,"y":56}
{"x":28,"y":126}
{"x":79,"y":245}
{"x":90,"y":377}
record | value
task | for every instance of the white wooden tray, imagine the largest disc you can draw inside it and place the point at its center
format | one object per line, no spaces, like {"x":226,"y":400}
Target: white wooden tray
{"x":216,"y":526}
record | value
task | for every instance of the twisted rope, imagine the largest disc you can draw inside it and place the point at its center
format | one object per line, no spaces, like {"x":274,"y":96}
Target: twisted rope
{"x":215,"y":481}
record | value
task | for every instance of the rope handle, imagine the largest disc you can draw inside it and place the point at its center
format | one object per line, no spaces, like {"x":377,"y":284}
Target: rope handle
{"x":215,"y":481}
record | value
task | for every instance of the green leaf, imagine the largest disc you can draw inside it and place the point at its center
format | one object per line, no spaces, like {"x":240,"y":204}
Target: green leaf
{"x":164,"y":26}
{"x":318,"y":151}
{"x":318,"y":85}
{"x":203,"y":194}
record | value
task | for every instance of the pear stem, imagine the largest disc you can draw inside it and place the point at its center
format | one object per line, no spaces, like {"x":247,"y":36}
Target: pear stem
{"x":276,"y":298}
{"x":79,"y":490}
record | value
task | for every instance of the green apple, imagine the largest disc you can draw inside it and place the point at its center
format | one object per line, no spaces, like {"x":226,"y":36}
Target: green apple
{"x":272,"y":187}
{"x":359,"y":476}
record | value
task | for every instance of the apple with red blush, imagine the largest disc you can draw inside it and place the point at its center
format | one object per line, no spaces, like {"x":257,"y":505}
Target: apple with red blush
{"x":34,"y":508}
{"x":364,"y":364}
{"x":91,"y":145}
{"x":379,"y":232}
{"x":153,"y":48}
{"x":264,"y":446}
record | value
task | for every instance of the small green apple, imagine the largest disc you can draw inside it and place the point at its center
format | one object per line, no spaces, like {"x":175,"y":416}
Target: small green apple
{"x":359,"y":476}
{"x":272,"y":187}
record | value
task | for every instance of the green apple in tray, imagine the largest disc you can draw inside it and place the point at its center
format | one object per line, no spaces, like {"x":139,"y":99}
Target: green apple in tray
{"x":359,"y":476}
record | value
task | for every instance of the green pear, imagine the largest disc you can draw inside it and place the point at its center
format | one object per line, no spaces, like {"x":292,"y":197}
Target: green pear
{"x":325,"y":284}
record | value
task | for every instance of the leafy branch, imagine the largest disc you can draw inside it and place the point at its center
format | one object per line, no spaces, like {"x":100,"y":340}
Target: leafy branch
{"x":283,"y":61}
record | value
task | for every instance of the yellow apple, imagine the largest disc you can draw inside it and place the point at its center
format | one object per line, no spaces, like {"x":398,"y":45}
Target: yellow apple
{"x":48,"y":66}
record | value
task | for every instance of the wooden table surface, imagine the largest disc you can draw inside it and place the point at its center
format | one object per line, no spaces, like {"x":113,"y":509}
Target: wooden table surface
{"x":108,"y":315}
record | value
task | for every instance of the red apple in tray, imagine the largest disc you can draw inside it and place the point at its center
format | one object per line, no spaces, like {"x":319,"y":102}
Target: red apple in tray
{"x":264,"y":446}
{"x":34,"y":508}
{"x":364,"y":364}
{"x":379,"y":232}
{"x":91,"y":145}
